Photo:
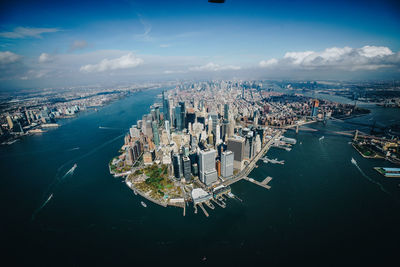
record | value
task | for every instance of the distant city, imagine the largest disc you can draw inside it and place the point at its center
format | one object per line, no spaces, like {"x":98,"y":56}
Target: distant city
{"x":201,"y":137}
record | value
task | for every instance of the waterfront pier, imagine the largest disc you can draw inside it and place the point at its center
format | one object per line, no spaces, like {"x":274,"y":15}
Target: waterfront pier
{"x":257,"y":182}
{"x":204,"y":210}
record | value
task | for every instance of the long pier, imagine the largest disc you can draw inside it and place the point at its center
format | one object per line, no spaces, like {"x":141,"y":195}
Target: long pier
{"x":258,"y":183}
{"x":204,"y":210}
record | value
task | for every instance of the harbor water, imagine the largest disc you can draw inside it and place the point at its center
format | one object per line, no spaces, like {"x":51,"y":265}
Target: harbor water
{"x":322,"y":209}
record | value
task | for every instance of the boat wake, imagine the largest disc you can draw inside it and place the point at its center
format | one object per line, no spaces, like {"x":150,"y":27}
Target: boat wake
{"x":42,"y":206}
{"x":58,"y":178}
{"x":70,"y":171}
{"x":354,"y":162}
{"x":72,"y":149}
{"x":108,"y":128}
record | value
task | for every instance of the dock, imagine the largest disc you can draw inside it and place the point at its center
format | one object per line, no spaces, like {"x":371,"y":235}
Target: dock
{"x":266,"y":180}
{"x":204,"y":210}
{"x":258,"y":183}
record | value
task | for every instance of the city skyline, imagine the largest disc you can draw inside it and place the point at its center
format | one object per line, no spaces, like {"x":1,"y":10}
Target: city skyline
{"x":44,"y":45}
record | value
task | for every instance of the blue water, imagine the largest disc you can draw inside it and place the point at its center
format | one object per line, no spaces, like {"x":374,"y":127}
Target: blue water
{"x":321,"y":210}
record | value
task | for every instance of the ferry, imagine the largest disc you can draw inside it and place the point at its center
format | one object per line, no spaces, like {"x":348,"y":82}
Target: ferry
{"x":143,"y":204}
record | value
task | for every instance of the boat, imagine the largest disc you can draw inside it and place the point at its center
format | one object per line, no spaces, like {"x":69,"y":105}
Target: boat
{"x":134,"y":191}
{"x":353,"y":161}
{"x":143,"y":204}
{"x":74,"y":167}
{"x":321,"y":138}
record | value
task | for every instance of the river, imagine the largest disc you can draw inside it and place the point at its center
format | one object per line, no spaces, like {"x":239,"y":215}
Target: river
{"x":321,"y":209}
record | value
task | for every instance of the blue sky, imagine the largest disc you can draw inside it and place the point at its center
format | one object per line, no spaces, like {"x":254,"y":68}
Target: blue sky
{"x":50,"y":43}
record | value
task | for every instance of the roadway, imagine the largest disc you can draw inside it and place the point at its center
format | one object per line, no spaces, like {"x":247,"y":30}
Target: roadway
{"x":246,"y":171}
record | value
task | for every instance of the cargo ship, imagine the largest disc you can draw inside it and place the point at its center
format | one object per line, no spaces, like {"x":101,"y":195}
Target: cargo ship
{"x":388,"y":172}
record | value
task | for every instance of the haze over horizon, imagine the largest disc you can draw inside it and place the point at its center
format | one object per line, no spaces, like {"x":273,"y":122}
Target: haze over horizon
{"x":67,"y":43}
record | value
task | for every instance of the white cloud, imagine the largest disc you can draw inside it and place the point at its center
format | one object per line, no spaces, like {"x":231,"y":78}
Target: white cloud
{"x":24,"y":32}
{"x":124,"y":62}
{"x":78,"y":44}
{"x":44,"y":57}
{"x":8,"y":57}
{"x":214,"y":67}
{"x":269,"y":62}
{"x":346,"y":58}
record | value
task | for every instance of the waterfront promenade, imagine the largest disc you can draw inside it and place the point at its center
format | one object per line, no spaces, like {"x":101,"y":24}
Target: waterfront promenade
{"x":246,"y":171}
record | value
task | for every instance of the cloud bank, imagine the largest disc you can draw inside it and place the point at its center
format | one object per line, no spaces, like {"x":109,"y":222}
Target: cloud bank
{"x":8,"y":57}
{"x":124,"y":62}
{"x":25,"y":32}
{"x":346,"y":58}
{"x":78,"y":44}
{"x":44,"y":57}
{"x":214,"y":67}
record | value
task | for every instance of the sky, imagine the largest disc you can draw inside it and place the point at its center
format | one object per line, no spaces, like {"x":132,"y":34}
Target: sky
{"x":72,"y":43}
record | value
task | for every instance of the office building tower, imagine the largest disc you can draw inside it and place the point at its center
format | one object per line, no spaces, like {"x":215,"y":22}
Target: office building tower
{"x":236,"y":145}
{"x":134,"y":132}
{"x":314,"y":109}
{"x":10,"y":123}
{"x":218,"y":167}
{"x":177,"y":163}
{"x":187,"y":169}
{"x":224,"y":130}
{"x":157,"y":113}
{"x":208,"y":173}
{"x":226,"y":111}
{"x":178,"y":119}
{"x":183,"y":114}
{"x":168,"y":130}
{"x":227,"y":164}
{"x":130,"y":157}
{"x":195,"y":169}
{"x":214,"y":118}
{"x":156,"y":136}
{"x":149,"y":129}
{"x":217,"y":135}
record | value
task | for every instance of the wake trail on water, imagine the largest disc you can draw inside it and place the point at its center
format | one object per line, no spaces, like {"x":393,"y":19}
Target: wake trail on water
{"x":354,"y":162}
{"x":58,"y":178}
{"x":109,"y":128}
{"x":41,"y":207}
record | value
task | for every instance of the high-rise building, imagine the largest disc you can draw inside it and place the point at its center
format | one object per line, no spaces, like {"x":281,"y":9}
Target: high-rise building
{"x":177,"y":163}
{"x":217,"y":135}
{"x":214,"y":118}
{"x":207,"y":171}
{"x":227,"y":164}
{"x":130,"y":156}
{"x":183,"y":114}
{"x":236,"y":145}
{"x":156,"y":136}
{"x":226,"y":111}
{"x":314,"y":109}
{"x":157,"y":113}
{"x":186,"y":169}
{"x":10,"y":122}
{"x":218,"y":167}
{"x":178,"y":119}
{"x":168,"y":130}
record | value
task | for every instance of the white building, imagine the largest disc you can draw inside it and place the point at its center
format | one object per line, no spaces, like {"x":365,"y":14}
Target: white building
{"x":207,"y":172}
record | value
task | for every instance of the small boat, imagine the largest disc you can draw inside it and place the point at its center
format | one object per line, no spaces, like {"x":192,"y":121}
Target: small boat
{"x":143,"y":204}
{"x":321,"y":138}
{"x":134,"y":191}
{"x":353,"y":161}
